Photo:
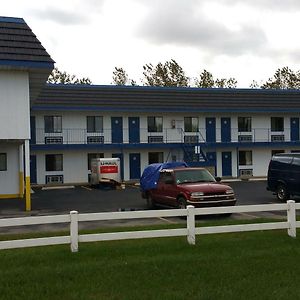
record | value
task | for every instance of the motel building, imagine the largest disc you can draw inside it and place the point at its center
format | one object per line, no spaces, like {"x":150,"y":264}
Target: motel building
{"x":50,"y":133}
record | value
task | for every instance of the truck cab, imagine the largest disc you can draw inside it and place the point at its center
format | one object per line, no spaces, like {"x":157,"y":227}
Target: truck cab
{"x":180,"y":187}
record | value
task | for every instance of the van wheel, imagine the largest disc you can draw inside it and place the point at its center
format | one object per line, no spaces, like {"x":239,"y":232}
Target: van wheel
{"x":150,"y":202}
{"x":181,"y":203}
{"x":282,"y":193}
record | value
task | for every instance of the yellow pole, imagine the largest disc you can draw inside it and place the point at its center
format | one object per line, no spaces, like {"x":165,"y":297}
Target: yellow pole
{"x":21,"y":171}
{"x":27,"y":177}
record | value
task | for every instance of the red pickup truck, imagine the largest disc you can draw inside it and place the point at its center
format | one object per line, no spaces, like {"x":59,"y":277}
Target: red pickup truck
{"x":180,"y":187}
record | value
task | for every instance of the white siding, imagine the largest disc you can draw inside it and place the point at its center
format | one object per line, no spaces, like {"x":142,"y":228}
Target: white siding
{"x":9,"y":180}
{"x":14,"y":105}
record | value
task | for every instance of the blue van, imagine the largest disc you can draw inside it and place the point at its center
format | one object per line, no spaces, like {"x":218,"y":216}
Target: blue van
{"x":284,"y":175}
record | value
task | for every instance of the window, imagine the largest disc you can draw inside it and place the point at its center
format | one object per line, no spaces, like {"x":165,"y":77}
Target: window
{"x":94,"y":124}
{"x":54,"y":162}
{"x":191,"y":124}
{"x":244,"y":124}
{"x":93,"y":155}
{"x":245,"y":158}
{"x":155,"y":124}
{"x":155,"y":157}
{"x":277,"y":124}
{"x":53,"y":124}
{"x":3,"y":162}
{"x":274,"y":152}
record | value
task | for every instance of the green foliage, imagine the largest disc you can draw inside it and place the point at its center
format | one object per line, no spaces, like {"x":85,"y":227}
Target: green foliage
{"x":284,"y":78}
{"x":120,"y":77}
{"x":168,"y":74}
{"x":206,"y":80}
{"x":62,"y":77}
{"x":257,"y":265}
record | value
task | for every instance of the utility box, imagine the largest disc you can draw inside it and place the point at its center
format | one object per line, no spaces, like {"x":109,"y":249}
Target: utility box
{"x":105,"y":170}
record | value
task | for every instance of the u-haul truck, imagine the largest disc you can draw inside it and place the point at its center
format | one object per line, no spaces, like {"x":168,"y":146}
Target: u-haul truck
{"x":105,"y":170}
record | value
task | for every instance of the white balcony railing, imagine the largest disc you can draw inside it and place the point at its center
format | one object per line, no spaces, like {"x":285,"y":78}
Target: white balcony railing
{"x":168,"y":135}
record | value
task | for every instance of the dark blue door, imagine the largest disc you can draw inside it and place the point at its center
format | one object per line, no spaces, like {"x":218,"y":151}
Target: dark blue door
{"x":120,"y":155}
{"x":116,"y":130}
{"x":226,"y":164}
{"x":225,"y":130}
{"x":134,"y":165}
{"x":212,"y":160}
{"x":211,"y":130}
{"x":134,"y":129}
{"x":33,"y":177}
{"x":32,"y":130}
{"x":294,"y":129}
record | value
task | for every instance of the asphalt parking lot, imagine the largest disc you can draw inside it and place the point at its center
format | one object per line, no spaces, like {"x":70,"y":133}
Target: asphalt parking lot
{"x":87,"y":200}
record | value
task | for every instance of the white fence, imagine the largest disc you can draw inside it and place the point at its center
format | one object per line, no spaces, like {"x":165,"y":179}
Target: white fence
{"x":190,"y":231}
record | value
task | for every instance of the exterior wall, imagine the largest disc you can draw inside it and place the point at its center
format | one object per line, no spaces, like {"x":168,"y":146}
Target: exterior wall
{"x":75,"y":161}
{"x":14,"y":105}
{"x":9,"y":180}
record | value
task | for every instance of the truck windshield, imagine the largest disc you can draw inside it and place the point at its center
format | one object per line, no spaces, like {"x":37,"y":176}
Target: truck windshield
{"x":185,"y":176}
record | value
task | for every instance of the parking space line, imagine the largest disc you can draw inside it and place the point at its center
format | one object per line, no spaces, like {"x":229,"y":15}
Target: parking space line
{"x":87,"y":188}
{"x":166,"y":220}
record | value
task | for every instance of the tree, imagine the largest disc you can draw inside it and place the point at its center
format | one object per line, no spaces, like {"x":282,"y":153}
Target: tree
{"x":168,"y":74}
{"x":206,"y":80}
{"x":120,"y":77}
{"x":284,"y":78}
{"x":63,"y":77}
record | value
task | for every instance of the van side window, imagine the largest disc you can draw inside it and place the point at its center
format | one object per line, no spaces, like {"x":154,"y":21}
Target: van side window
{"x":283,"y":159}
{"x":296,"y":161}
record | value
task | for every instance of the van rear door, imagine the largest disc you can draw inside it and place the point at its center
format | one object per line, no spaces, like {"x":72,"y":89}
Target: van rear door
{"x":295,"y":176}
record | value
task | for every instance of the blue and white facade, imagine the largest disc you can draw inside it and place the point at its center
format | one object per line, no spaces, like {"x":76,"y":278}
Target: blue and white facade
{"x":231,"y":143}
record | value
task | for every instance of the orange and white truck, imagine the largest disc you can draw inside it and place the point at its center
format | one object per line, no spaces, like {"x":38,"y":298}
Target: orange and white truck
{"x":105,"y":170}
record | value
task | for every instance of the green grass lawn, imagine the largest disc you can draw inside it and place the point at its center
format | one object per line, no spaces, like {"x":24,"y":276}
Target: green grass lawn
{"x":257,"y":265}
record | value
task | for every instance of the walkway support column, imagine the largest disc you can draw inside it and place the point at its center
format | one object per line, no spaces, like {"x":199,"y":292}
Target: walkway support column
{"x":27,"y":177}
{"x":21,"y":171}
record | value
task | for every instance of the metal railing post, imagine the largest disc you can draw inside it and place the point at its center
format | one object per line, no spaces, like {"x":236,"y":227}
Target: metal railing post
{"x":191,"y":237}
{"x":291,"y":218}
{"x":74,"y":230}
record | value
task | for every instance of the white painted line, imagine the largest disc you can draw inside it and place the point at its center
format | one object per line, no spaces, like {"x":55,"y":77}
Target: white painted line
{"x":58,"y":187}
{"x":87,"y":188}
{"x":166,"y":220}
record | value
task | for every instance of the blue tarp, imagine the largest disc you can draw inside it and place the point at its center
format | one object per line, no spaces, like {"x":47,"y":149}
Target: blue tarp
{"x":151,"y":173}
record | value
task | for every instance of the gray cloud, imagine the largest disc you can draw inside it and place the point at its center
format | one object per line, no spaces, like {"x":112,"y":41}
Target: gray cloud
{"x":271,"y":5}
{"x":178,"y":24}
{"x":79,"y":13}
{"x":60,"y":16}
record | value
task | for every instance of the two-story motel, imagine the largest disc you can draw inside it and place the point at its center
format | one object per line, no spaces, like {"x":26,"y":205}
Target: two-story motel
{"x":234,"y":131}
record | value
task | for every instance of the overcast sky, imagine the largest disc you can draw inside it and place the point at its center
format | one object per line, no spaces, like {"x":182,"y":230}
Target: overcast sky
{"x":245,"y":39}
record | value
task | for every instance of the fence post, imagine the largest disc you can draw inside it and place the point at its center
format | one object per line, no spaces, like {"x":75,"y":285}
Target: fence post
{"x":291,"y":217}
{"x":191,"y":225}
{"x":74,"y":230}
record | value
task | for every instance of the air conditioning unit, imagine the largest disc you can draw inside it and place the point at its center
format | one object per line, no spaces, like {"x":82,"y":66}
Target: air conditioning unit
{"x":54,"y":179}
{"x":54,"y":140}
{"x":245,"y":138}
{"x":191,"y":139}
{"x":277,"y":138}
{"x":95,"y":139}
{"x":156,"y":139}
{"x":246,"y":172}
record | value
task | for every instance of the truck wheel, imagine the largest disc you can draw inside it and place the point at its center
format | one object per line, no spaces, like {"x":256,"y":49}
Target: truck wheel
{"x":282,"y":193}
{"x":150,"y":202}
{"x":181,"y":203}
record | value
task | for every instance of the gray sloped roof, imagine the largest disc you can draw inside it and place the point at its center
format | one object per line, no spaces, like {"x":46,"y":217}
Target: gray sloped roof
{"x":21,"y":50}
{"x":20,"y":47}
{"x":158,"y":99}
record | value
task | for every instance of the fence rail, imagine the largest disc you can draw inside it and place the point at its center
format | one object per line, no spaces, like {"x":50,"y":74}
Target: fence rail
{"x":190,"y":231}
